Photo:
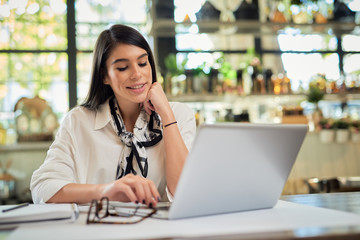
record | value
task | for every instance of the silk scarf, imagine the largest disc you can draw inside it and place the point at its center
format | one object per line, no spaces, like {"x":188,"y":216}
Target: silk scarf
{"x":146,"y":133}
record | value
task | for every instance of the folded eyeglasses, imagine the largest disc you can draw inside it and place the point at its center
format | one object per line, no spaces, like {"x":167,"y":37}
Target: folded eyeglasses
{"x":100,"y":212}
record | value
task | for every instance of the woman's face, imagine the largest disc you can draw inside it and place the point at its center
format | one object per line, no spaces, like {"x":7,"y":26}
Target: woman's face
{"x":129,"y":73}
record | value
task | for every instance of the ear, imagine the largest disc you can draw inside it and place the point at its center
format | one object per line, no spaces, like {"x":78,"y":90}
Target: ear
{"x":106,"y":80}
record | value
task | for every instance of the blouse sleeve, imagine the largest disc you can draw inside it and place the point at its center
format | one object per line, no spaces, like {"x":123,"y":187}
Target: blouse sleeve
{"x":185,"y":117}
{"x":58,"y":167}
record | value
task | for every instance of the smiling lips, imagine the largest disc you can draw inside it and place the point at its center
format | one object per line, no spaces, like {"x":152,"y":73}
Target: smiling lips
{"x":137,"y":88}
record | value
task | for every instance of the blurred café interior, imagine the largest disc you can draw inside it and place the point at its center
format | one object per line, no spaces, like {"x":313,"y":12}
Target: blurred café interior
{"x":257,"y":61}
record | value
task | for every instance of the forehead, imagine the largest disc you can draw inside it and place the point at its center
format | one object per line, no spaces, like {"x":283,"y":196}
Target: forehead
{"x":126,"y":52}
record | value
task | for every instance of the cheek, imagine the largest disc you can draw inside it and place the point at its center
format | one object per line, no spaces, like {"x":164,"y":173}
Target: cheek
{"x":112,"y":78}
{"x":149,"y":73}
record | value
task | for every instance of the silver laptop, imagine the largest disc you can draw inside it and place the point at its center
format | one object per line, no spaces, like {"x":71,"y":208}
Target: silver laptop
{"x":235,"y":167}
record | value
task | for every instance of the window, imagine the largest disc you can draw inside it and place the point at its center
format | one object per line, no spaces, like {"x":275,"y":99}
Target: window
{"x":33,"y":55}
{"x":92,"y":17}
{"x":34,"y":49}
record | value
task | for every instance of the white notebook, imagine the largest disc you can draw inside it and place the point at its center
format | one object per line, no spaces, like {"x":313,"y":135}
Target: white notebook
{"x":36,"y":213}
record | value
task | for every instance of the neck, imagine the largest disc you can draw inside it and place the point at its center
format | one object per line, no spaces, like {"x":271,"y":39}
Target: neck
{"x":129,"y":112}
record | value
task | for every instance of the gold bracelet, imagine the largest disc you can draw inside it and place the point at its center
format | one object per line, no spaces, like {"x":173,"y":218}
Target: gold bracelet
{"x":169,"y":124}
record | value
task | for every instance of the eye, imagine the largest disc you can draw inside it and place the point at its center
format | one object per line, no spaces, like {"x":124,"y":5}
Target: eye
{"x":143,"y":64}
{"x":121,"y":69}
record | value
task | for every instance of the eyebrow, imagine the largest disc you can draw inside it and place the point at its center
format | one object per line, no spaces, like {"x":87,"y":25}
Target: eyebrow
{"x":126,"y":60}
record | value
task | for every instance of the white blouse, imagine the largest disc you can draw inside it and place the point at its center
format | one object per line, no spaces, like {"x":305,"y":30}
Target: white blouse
{"x":87,"y":150}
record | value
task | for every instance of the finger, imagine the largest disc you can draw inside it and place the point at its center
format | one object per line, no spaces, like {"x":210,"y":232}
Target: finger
{"x":156,"y":84}
{"x":147,"y":109}
{"x":150,"y":106}
{"x":151,"y":103}
{"x":149,"y":197}
{"x":154,"y":192}
{"x":139,"y":191}
{"x":129,"y":193}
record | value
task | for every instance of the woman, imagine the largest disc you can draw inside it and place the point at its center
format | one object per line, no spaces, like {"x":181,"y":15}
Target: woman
{"x":126,"y":141}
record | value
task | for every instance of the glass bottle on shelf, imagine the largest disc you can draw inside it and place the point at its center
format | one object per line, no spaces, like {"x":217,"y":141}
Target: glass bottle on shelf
{"x":239,"y":82}
{"x":247,"y":84}
{"x":2,"y":135}
{"x":48,"y":121}
{"x":278,"y":11}
{"x":254,"y":73}
{"x":248,"y":10}
{"x":276,"y":82}
{"x":11,"y":136}
{"x":35,"y":124}
{"x":301,"y":12}
{"x":267,"y":80}
{"x":213,"y":80}
{"x":189,"y":81}
{"x":286,"y":85}
{"x":260,"y":84}
{"x":322,"y":11}
{"x":22,"y":121}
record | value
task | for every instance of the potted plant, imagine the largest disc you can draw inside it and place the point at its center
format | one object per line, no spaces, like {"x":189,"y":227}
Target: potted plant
{"x":326,"y":130}
{"x":200,"y":82}
{"x":227,"y":75}
{"x":326,"y":123}
{"x":342,"y":130}
{"x":315,"y":95}
{"x":355,"y":130}
{"x":174,"y":77}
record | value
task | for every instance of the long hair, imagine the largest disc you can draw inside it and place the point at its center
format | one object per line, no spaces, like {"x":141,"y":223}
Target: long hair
{"x":106,"y":42}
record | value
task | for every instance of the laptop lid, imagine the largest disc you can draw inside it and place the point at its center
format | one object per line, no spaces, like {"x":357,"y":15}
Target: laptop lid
{"x":236,"y":167}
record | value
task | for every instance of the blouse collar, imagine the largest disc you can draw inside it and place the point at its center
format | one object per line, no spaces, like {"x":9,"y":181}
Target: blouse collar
{"x":103,"y":115}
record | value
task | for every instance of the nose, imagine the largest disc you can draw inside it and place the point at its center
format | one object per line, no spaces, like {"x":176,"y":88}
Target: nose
{"x":135,"y":74}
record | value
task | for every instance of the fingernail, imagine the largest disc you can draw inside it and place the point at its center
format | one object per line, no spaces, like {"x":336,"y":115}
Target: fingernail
{"x":144,"y":201}
{"x":150,"y":205}
{"x":137,"y":202}
{"x":158,"y":199}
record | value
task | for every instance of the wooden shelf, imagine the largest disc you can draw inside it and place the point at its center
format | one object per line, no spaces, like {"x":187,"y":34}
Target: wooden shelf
{"x":25,"y":146}
{"x":163,"y":28}
{"x":233,"y":97}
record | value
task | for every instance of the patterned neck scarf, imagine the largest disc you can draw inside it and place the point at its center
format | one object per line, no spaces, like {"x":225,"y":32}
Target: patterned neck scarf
{"x":146,"y":133}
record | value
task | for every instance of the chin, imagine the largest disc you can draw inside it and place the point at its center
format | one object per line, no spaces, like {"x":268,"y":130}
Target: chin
{"x":139,"y":100}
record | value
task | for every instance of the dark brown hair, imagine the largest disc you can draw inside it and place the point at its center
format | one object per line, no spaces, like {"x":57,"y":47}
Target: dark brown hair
{"x":106,"y":42}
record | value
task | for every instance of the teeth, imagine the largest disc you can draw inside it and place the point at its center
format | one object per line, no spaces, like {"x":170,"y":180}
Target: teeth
{"x":137,"y":87}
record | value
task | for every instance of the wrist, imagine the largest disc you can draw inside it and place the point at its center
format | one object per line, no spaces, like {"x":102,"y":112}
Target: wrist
{"x":169,"y":124}
{"x":167,"y":117}
{"x":104,"y":190}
